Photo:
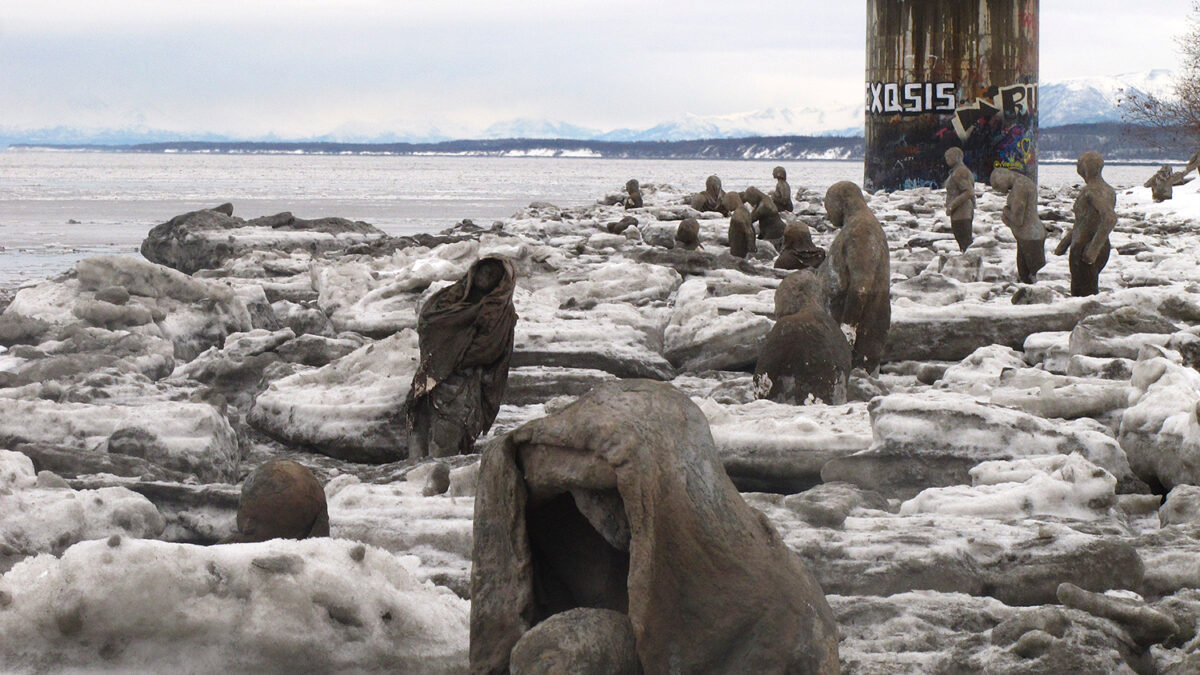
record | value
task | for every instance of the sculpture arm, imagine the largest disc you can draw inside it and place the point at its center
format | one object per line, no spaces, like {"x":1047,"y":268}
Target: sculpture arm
{"x":1065,"y":243}
{"x":1108,"y":221}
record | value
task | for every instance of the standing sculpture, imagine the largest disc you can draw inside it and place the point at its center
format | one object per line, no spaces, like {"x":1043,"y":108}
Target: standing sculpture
{"x":1095,"y":218}
{"x":960,"y":198}
{"x":1021,"y":216}
{"x":466,"y":338}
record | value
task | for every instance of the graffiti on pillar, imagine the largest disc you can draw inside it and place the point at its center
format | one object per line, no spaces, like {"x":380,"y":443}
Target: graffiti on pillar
{"x":914,"y":98}
{"x":998,"y":129}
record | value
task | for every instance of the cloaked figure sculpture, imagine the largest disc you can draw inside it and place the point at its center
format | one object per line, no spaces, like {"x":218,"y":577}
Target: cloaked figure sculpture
{"x":764,"y":212}
{"x":782,"y":194}
{"x":741,"y":231}
{"x":687,"y":235}
{"x":466,"y":338}
{"x":281,"y":499}
{"x":1021,"y":216}
{"x":619,"y":503}
{"x":856,"y":275}
{"x":1095,"y":218}
{"x":960,"y":198}
{"x":799,"y":251}
{"x":805,"y":353}
{"x":634,"y":191}
{"x":712,"y":199}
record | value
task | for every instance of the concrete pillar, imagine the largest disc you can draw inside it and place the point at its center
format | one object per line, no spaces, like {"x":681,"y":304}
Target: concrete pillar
{"x":946,"y":73}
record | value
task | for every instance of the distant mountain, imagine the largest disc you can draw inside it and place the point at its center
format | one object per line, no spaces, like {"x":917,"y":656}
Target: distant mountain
{"x":1088,"y":100}
{"x":1067,"y":102}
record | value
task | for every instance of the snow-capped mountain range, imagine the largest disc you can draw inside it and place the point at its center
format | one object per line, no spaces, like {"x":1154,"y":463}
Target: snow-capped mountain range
{"x":1073,"y":101}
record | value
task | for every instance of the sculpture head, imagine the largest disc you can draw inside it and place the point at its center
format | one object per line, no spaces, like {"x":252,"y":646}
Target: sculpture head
{"x":632,"y":186}
{"x":779,"y":173}
{"x":753,"y":196}
{"x":1090,"y":165}
{"x":712,"y":185}
{"x":841,"y":199}
{"x":797,"y":238}
{"x":732,"y":201}
{"x":1003,"y":180}
{"x":797,"y":291}
{"x":487,"y":275}
{"x":954,"y":157}
{"x":688,"y":233}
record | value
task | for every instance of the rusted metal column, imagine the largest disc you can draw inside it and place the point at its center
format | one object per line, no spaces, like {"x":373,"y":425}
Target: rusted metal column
{"x":949,"y":73}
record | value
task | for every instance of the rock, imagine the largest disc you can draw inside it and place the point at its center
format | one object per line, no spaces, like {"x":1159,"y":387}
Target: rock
{"x":120,"y":606}
{"x":1052,"y":396}
{"x":351,"y":409}
{"x":1051,"y":350}
{"x":1181,"y":506}
{"x":190,"y":438}
{"x":438,"y":481}
{"x":1158,"y":429}
{"x":281,"y":499}
{"x":208,"y":238}
{"x":700,"y":337}
{"x":1050,"y":621}
{"x":861,"y":386}
{"x":1145,"y":625}
{"x":302,"y":320}
{"x":1033,"y":644}
{"x":317,"y":350}
{"x":934,"y":439}
{"x":115,"y":295}
{"x":1120,"y":333}
{"x":583,"y":641}
{"x":1048,"y":640}
{"x":82,"y":355}
{"x":533,"y":385}
{"x":1035,"y":295}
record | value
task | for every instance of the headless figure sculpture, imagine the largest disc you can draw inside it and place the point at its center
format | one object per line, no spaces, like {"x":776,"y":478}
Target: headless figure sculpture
{"x":960,"y":198}
{"x":634,"y":200}
{"x":1021,"y":216}
{"x":687,"y":235}
{"x":770,"y":224}
{"x":741,"y":232}
{"x":712,"y":199}
{"x":799,"y":251}
{"x":856,"y":274}
{"x":782,"y":194}
{"x":805,"y":353}
{"x":1095,"y":218}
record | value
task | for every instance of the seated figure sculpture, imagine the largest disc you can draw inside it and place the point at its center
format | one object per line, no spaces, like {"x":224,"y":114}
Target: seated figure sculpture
{"x":805,"y":353}
{"x":619,"y":502}
{"x":466,"y":338}
{"x":687,"y":235}
{"x":856,"y":275}
{"x":1095,"y":218}
{"x":960,"y":198}
{"x":712,"y":199}
{"x":741,"y":231}
{"x":634,"y":200}
{"x":281,"y":499}
{"x":764,"y":212}
{"x":799,"y":251}
{"x":1021,"y":216}
{"x":782,"y":194}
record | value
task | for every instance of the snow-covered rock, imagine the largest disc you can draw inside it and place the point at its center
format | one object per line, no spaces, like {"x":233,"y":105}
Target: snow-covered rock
{"x":702,"y":337}
{"x":1159,"y":429}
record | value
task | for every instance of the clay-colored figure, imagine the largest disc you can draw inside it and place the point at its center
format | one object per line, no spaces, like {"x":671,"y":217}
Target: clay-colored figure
{"x":799,"y":251}
{"x":466,"y":340}
{"x":857,"y":273}
{"x":765,"y":213}
{"x":1095,"y":218}
{"x":634,"y":200}
{"x":712,"y":199}
{"x":782,"y":194}
{"x":281,"y":499}
{"x":687,"y":235}
{"x":741,"y":232}
{"x":1021,"y":216}
{"x":805,"y":353}
{"x":960,"y":198}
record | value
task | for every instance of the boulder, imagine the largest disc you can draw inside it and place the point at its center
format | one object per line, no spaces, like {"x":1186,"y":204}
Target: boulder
{"x":700,"y":336}
{"x":1120,"y":333}
{"x":579,"y":641}
{"x":1182,"y":506}
{"x":1159,"y":429}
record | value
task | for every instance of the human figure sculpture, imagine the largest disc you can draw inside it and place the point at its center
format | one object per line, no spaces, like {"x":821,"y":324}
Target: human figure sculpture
{"x":281,"y":499}
{"x":765,"y":213}
{"x":741,"y":231}
{"x":782,"y":194}
{"x":1095,"y":218}
{"x":687,"y":235}
{"x":1021,"y":216}
{"x":712,"y":199}
{"x":634,"y":200}
{"x":799,"y":251}
{"x":465,"y":333}
{"x":1162,"y":183}
{"x":805,"y":353}
{"x":620,"y":502}
{"x":856,"y":274}
{"x":960,"y":198}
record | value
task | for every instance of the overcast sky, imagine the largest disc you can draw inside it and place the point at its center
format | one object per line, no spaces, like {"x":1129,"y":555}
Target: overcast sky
{"x":303,"y":67}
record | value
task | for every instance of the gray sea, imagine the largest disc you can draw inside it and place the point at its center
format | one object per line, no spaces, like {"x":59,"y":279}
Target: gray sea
{"x":59,"y":207}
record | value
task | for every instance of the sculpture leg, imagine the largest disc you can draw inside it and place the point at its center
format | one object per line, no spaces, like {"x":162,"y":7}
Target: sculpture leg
{"x":962,"y":233}
{"x":1031,"y":257}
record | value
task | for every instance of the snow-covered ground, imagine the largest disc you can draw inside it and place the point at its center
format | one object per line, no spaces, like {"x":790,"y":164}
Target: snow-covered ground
{"x":1016,"y":439}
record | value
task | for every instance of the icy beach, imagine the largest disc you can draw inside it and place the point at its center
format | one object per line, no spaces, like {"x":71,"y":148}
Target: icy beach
{"x":992,"y":502}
